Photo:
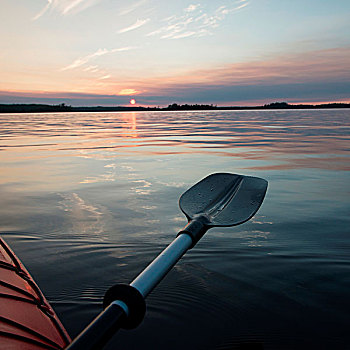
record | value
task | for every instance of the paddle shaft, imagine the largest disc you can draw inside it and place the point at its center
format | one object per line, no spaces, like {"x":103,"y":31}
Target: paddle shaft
{"x":156,"y":271}
{"x":218,"y":200}
{"x":96,"y":335}
{"x":109,"y":321}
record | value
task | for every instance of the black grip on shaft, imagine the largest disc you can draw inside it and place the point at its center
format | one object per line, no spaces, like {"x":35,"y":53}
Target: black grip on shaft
{"x":132,"y":298}
{"x":101,"y":330}
{"x":109,"y":321}
{"x":196,"y":229}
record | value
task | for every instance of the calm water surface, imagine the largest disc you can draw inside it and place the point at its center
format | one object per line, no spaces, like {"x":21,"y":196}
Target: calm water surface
{"x":89,"y":199}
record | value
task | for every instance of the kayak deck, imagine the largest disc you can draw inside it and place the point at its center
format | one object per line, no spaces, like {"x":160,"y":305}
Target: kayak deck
{"x":27,"y":321}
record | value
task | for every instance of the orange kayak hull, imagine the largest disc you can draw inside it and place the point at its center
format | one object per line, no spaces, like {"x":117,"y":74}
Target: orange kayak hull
{"x":27,"y":321}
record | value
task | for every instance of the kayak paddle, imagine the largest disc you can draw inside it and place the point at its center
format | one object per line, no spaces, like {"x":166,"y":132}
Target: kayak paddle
{"x":218,"y":200}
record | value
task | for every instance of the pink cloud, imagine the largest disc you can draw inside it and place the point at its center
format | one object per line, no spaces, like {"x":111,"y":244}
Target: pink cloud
{"x":316,"y":76}
{"x":315,"y":66}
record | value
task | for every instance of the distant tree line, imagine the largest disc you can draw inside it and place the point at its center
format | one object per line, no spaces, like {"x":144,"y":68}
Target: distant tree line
{"x":177,"y":107}
{"x":285,"y":105}
{"x":42,"y":108}
{"x":34,"y":108}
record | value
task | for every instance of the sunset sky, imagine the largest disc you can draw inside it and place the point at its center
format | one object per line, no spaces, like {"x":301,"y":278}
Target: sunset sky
{"x":241,"y":52}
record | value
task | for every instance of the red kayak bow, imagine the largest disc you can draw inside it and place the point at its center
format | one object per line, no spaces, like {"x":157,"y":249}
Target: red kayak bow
{"x":27,"y":321}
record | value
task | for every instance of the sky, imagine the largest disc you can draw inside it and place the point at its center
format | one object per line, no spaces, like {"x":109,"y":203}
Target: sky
{"x":221,"y":52}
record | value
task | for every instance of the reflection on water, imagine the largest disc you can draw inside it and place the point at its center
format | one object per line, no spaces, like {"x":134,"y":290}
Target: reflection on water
{"x":88,"y":199}
{"x":277,"y":137}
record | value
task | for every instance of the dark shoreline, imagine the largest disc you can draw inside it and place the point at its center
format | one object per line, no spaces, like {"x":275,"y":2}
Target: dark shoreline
{"x":43,"y":108}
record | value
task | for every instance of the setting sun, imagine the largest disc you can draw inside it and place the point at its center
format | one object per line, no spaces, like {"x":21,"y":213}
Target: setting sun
{"x":132,"y":101}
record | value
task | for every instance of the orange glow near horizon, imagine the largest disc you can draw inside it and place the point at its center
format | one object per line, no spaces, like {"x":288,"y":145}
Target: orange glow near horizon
{"x":314,"y":67}
{"x":132,"y":101}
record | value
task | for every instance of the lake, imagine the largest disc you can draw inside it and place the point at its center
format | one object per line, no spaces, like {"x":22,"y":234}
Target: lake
{"x":89,"y":199}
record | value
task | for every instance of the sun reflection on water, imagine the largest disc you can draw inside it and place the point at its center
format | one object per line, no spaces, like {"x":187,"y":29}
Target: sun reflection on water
{"x":258,"y":140}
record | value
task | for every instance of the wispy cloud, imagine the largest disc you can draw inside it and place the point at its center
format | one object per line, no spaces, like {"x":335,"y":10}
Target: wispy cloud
{"x":42,"y":12}
{"x":83,"y":60}
{"x":65,"y":7}
{"x":107,"y":76}
{"x":192,"y":8}
{"x":126,"y":92}
{"x":132,"y":7}
{"x":91,"y":69}
{"x":139,"y":23}
{"x":100,"y":52}
{"x":195,"y":21}
{"x":72,"y":4}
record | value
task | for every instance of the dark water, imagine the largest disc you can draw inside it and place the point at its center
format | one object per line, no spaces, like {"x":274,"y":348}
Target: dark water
{"x":87,"y":200}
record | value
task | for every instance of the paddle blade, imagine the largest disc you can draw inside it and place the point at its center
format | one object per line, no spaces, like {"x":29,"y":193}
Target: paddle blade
{"x":224,"y":199}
